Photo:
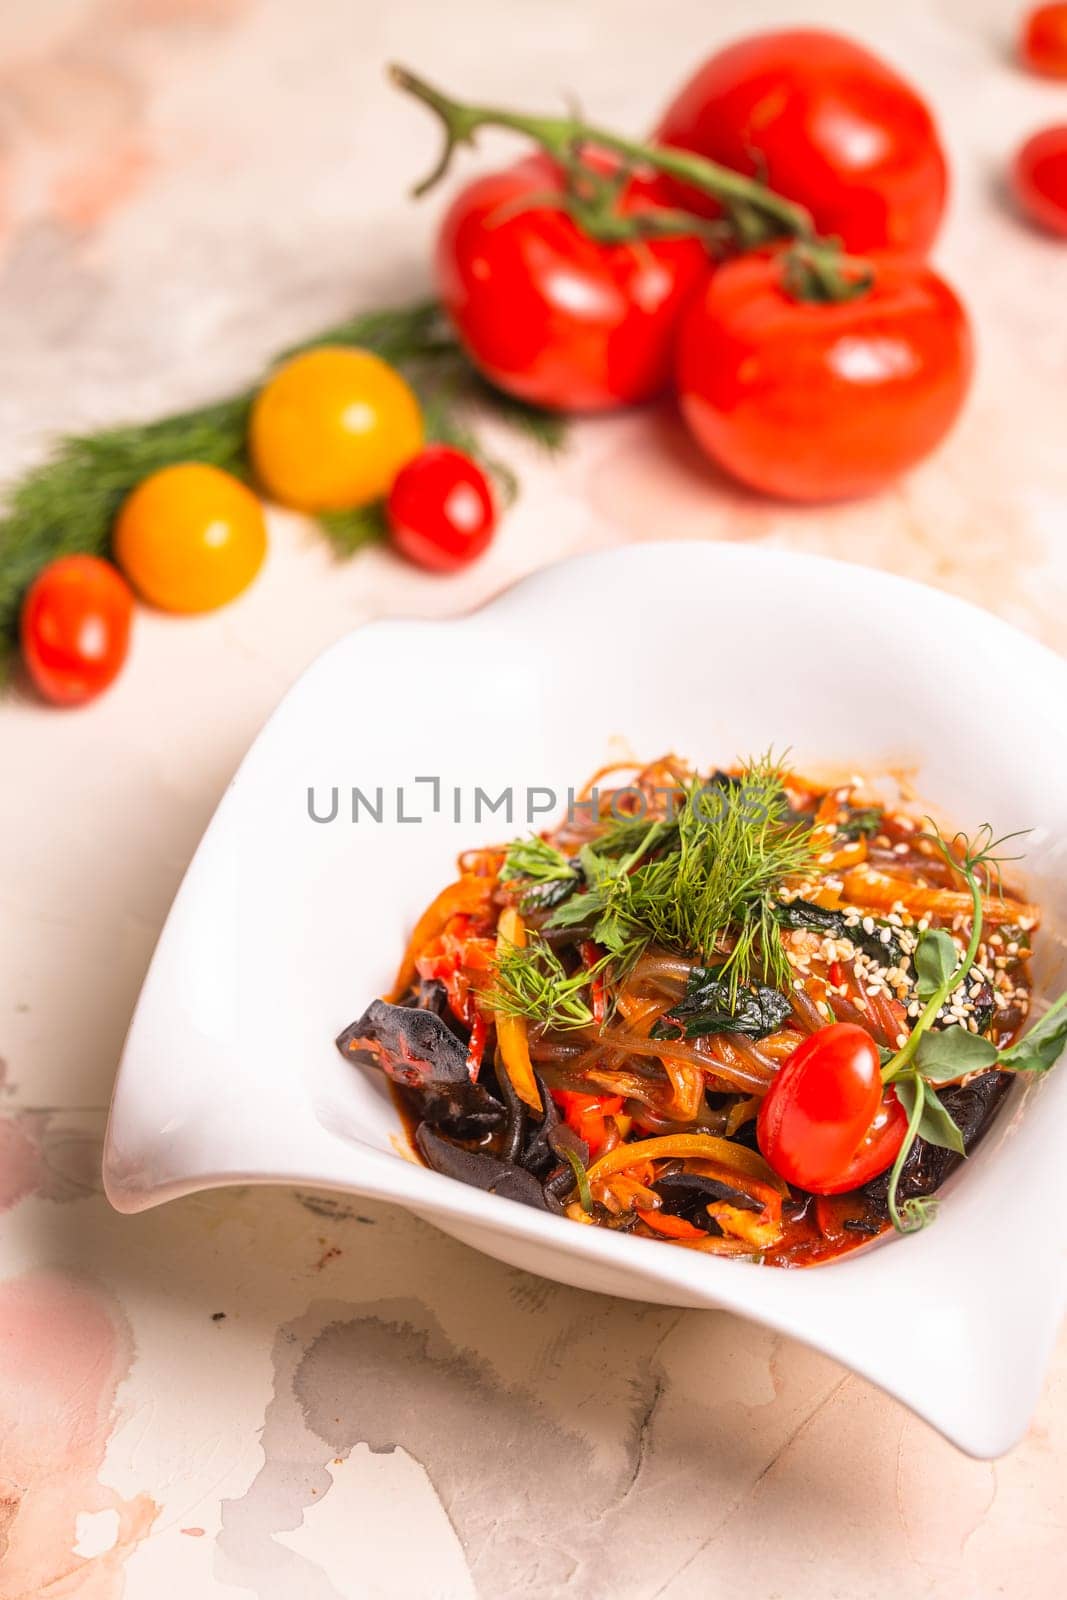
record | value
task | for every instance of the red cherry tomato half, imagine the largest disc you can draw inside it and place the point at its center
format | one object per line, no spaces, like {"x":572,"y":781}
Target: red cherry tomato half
{"x":1039,"y":179}
{"x":440,"y":509}
{"x":819,"y":1108}
{"x":549,"y":314}
{"x":75,"y":628}
{"x":825,"y":123}
{"x":813,"y":401}
{"x":1043,"y":44}
{"x":877,"y":1149}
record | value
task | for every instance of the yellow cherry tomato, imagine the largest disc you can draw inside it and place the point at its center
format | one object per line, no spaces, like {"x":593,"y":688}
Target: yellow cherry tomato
{"x":190,"y":537}
{"x":332,"y":429}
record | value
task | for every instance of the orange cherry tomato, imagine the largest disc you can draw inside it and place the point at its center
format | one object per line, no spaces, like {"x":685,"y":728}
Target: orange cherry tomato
{"x":75,"y":628}
{"x":190,"y":537}
{"x":332,"y":429}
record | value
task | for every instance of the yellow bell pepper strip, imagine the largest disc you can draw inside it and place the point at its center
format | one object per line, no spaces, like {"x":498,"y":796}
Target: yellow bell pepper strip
{"x":511,"y":1034}
{"x":682,"y":1146}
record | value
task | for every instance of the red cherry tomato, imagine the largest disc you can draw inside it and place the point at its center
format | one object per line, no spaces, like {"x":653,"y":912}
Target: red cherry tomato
{"x":75,"y":628}
{"x":815,"y":1115}
{"x":440,"y":510}
{"x":1043,"y":43}
{"x":825,"y":123}
{"x":549,"y":314}
{"x":815,"y":401}
{"x":1039,"y":179}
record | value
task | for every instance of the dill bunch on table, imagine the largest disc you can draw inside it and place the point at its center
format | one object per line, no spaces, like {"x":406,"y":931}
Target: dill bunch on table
{"x":66,"y":506}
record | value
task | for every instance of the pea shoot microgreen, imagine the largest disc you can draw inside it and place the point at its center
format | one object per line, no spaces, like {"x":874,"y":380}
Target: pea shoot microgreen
{"x":930,"y":1057}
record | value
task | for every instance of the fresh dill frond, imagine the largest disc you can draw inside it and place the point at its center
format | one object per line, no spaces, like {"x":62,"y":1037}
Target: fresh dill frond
{"x":704,"y":883}
{"x":350,"y":530}
{"x":530,"y":981}
{"x":624,"y":835}
{"x":735,"y":846}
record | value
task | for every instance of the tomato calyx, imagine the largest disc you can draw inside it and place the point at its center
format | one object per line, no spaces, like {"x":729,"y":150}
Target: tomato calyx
{"x":819,"y":273}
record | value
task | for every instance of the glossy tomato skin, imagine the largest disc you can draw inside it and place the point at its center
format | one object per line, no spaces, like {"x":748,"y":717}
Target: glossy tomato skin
{"x":440,"y":510}
{"x":878,"y":1148}
{"x":1043,"y":42}
{"x":75,"y":628}
{"x":190,"y":537}
{"x":819,"y":1107}
{"x":1039,"y":179}
{"x":817,"y":402}
{"x":825,"y":123}
{"x":332,"y":428}
{"x":550,"y":315}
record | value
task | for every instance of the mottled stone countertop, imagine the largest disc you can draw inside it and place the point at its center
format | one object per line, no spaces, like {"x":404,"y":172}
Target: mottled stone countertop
{"x":294,"y":1396}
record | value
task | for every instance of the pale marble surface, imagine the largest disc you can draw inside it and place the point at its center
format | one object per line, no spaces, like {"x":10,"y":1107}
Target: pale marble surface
{"x":185,"y":186}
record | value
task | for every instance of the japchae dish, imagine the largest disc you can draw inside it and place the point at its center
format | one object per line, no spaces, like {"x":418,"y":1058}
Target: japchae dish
{"x":741,"y":1014}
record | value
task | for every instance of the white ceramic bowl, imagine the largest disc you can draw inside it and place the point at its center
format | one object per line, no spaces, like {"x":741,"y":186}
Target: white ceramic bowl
{"x":285,"y":928}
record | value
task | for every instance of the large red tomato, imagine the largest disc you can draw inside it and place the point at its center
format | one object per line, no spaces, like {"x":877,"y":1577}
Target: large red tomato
{"x":826,"y":124}
{"x":551,"y":315}
{"x":814,"y":401}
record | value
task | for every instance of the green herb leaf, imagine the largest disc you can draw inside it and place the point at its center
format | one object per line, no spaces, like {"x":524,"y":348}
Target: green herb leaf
{"x":887,"y":952}
{"x":935,"y":1125}
{"x":710,"y":1006}
{"x":936,"y":959}
{"x":1042,"y":1045}
{"x":950,"y":1052}
{"x":536,"y":859}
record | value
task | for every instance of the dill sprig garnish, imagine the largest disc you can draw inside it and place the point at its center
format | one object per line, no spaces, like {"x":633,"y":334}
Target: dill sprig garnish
{"x":704,"y":882}
{"x":531,"y":981}
{"x":735,"y":846}
{"x":67,"y":505}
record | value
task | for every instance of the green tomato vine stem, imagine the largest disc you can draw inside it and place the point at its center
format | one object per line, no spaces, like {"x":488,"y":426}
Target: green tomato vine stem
{"x":754,"y":213}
